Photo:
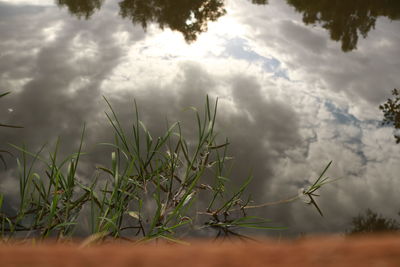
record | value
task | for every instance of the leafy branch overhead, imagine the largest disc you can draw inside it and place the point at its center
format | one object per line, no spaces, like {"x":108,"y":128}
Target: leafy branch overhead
{"x":187,"y":17}
{"x":391,"y":113}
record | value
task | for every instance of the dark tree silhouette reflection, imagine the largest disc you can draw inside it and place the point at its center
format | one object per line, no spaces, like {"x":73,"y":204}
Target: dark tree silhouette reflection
{"x":372,"y":222}
{"x":391,"y":113}
{"x":346,"y":20}
{"x":190,"y":17}
{"x":81,"y":8}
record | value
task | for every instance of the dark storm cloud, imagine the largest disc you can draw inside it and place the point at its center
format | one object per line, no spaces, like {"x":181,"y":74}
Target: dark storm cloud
{"x":77,"y":57}
{"x":64,"y":91}
{"x":19,"y":38}
{"x":7,"y":10}
{"x":303,"y":36}
{"x":280,"y":130}
{"x":259,"y":129}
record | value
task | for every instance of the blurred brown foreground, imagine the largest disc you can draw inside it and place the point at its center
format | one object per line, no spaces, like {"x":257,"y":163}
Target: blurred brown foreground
{"x":379,"y":251}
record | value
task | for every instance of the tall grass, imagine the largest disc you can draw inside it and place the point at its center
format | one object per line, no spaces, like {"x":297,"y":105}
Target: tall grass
{"x":3,"y":151}
{"x":154,"y":187}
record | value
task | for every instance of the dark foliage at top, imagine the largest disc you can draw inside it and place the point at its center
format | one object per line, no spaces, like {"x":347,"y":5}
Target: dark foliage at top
{"x":190,"y":17}
{"x":81,"y":8}
{"x":345,"y":20}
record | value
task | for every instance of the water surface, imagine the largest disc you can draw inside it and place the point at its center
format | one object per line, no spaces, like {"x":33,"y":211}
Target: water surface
{"x":299,"y":84}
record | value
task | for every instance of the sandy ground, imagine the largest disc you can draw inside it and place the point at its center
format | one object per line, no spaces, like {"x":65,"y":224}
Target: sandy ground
{"x":379,"y":251}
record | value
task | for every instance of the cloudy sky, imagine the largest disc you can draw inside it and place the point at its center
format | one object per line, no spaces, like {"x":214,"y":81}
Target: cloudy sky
{"x":290,"y":100}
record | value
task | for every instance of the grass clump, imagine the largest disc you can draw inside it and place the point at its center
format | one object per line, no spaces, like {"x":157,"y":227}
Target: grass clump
{"x":3,"y":151}
{"x":165,"y":187}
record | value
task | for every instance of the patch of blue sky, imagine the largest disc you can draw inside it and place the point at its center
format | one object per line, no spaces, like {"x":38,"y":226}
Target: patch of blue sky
{"x":342,"y":116}
{"x":239,"y":48}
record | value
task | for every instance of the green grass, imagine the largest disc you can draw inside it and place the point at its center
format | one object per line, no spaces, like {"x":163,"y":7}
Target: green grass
{"x":161,"y":187}
{"x":3,"y":151}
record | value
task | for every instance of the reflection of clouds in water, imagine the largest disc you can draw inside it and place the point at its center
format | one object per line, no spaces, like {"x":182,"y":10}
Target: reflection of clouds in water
{"x":345,"y":129}
{"x":346,"y":21}
{"x":364,"y":182}
{"x":362,"y":75}
{"x":258,"y":128}
{"x":30,"y":2}
{"x":285,"y":131}
{"x":63,"y":86}
{"x":239,"y":49}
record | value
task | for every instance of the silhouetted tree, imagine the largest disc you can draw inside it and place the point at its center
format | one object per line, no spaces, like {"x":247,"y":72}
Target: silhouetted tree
{"x":346,"y":20}
{"x":391,"y":113}
{"x":190,"y":17}
{"x":371,"y":222}
{"x":81,"y":8}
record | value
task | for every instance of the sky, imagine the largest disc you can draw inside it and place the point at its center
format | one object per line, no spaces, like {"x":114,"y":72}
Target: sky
{"x":290,"y":100}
